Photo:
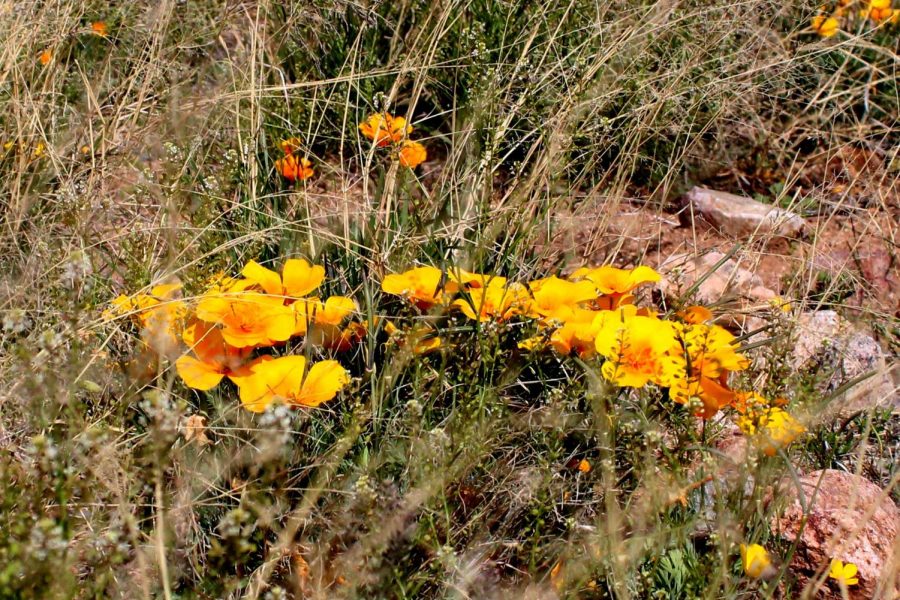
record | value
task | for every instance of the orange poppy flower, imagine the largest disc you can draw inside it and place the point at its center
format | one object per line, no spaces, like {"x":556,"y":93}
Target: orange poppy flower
{"x":249,"y":319}
{"x":45,"y":57}
{"x":267,"y":380}
{"x":292,"y":168}
{"x":98,"y":28}
{"x":384,"y":128}
{"x":290,"y":145}
{"x":412,"y":154}
{"x":552,"y":293}
{"x":212,"y":357}
{"x":708,"y":355}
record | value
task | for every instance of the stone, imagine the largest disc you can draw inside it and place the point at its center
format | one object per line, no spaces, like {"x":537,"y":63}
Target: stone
{"x":681,"y":271}
{"x":742,"y":217}
{"x":850,"y":519}
{"x":841,"y":352}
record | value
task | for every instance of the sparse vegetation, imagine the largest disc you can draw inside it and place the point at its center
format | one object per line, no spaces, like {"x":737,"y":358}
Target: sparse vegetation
{"x":300,"y":299}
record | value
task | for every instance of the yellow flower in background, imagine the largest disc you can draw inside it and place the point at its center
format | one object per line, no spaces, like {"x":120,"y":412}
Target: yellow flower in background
{"x":412,"y":154}
{"x":756,"y":561}
{"x":384,"y":128}
{"x":212,"y":360}
{"x":638,"y":350}
{"x":285,"y":379}
{"x":249,"y":319}
{"x":294,"y":169}
{"x":98,"y":28}
{"x":160,"y":313}
{"x":844,"y":574}
{"x":298,"y":278}
{"x":775,"y":428}
{"x":825,"y":26}
{"x":615,"y":285}
{"x":39,"y":150}
{"x":551,"y":294}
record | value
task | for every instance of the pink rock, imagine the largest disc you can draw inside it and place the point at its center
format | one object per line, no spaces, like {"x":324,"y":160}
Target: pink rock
{"x":743,"y":217}
{"x":850,"y":519}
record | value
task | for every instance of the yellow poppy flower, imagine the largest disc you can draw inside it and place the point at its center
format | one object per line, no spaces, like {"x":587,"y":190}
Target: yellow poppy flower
{"x":159,"y":313}
{"x":551,"y":294}
{"x":615,"y":284}
{"x":496,"y":300}
{"x":293,"y":169}
{"x":412,"y":154}
{"x":384,"y":128}
{"x":844,"y":574}
{"x":421,"y":339}
{"x":298,"y":278}
{"x":321,"y":321}
{"x":708,"y":355}
{"x":249,"y":319}
{"x":427,"y":286}
{"x":267,"y":380}
{"x":756,"y":561}
{"x":578,"y":330}
{"x":212,"y":358}
{"x":825,"y":26}
{"x":638,"y":350}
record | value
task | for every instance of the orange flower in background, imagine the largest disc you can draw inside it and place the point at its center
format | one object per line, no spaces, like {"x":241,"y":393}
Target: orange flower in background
{"x":298,"y":278}
{"x":98,"y":28}
{"x":212,"y":360}
{"x":286,"y":379}
{"x":825,"y":26}
{"x":638,"y":350}
{"x":293,"y":169}
{"x":384,"y":129}
{"x":45,"y":57}
{"x":412,"y":154}
{"x":249,"y":319}
{"x":615,"y":285}
{"x":421,"y":339}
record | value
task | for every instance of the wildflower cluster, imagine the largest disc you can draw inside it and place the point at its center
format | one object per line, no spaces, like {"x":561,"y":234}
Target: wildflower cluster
{"x":231,"y":329}
{"x":832,"y":19}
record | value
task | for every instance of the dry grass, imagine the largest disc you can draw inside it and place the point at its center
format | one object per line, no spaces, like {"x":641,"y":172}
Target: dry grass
{"x":546,"y":125}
